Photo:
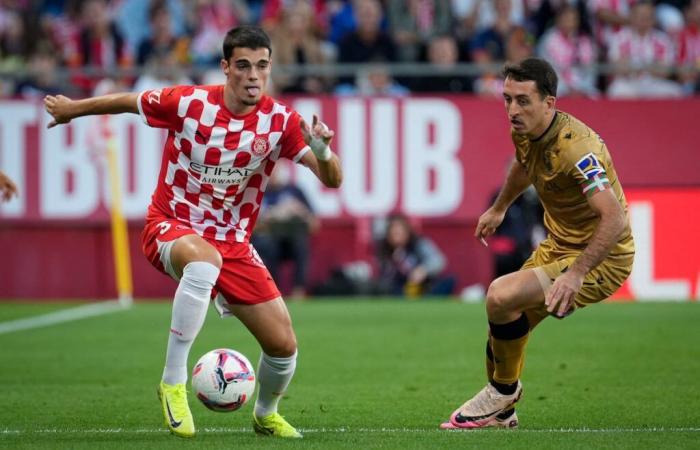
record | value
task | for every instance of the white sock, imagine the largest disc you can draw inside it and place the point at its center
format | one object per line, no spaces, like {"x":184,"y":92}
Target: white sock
{"x":274,"y":375}
{"x":189,"y":310}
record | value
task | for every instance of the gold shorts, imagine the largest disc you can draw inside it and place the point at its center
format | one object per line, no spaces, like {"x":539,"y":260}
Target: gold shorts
{"x":550,"y":261}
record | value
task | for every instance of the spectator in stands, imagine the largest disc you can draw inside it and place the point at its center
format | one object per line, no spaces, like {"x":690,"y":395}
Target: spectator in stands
{"x":63,"y":27}
{"x":519,"y":233}
{"x":368,"y":42}
{"x":610,"y":16}
{"x":294,"y":42}
{"x":373,"y":81}
{"x":689,"y":49}
{"x":518,"y":46}
{"x":284,"y":225}
{"x":213,"y":18}
{"x":414,"y":22}
{"x":474,"y":16}
{"x":15,"y":44}
{"x":643,"y":57}
{"x":410,"y":264}
{"x":543,"y":15}
{"x":133,"y":19}
{"x":162,"y":39}
{"x":341,"y":19}
{"x":100,"y":44}
{"x":443,"y":56}
{"x":273,"y":10}
{"x":41,"y":79}
{"x":489,"y":45}
{"x":571,"y":53}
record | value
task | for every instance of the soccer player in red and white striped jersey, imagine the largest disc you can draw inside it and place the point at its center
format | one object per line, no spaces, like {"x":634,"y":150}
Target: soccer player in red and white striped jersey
{"x":222,"y":145}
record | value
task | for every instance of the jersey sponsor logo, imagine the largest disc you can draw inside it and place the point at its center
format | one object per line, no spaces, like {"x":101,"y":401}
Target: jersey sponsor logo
{"x":220,"y":174}
{"x":589,"y":166}
{"x":154,"y":96}
{"x":260,"y":146}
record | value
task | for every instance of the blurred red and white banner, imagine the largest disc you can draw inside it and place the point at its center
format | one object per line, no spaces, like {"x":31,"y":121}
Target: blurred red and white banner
{"x":438,"y":159}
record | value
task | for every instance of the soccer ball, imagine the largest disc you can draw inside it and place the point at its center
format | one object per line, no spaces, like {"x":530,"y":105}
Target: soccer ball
{"x":223,"y":379}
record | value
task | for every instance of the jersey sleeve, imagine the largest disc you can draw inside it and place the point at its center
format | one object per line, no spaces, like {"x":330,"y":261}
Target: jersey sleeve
{"x":158,"y":107}
{"x":585,"y":162}
{"x":292,"y":142}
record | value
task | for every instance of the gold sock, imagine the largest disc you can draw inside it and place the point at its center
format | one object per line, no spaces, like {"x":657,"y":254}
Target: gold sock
{"x":490,"y":367}
{"x":508,"y":343}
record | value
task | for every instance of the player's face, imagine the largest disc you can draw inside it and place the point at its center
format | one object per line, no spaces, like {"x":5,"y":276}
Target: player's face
{"x":528,"y":112}
{"x":246,"y":73}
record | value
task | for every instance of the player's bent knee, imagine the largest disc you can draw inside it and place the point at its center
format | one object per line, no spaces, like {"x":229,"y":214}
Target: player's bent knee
{"x":496,"y":298}
{"x":192,"y":248}
{"x":282,"y":348}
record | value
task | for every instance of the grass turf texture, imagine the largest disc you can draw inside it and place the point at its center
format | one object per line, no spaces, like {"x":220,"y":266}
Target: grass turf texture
{"x":371,"y":373}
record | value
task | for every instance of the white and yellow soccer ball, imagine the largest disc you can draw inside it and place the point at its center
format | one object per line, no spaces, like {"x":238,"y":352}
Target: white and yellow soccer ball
{"x":223,"y":380}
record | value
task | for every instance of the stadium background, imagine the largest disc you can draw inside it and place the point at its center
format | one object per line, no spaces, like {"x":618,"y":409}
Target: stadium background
{"x":415,"y":141}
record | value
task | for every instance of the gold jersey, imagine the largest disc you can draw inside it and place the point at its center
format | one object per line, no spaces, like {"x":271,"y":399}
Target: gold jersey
{"x":566,"y":164}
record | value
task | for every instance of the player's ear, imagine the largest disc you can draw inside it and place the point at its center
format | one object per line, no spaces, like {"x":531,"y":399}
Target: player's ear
{"x":224,"y":66}
{"x":551,"y":102}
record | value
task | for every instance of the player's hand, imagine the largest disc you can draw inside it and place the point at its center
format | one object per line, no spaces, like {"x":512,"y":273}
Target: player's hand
{"x":7,"y":188}
{"x":560,"y":298}
{"x":318,"y":137}
{"x":59,"y":107}
{"x":488,"y":222}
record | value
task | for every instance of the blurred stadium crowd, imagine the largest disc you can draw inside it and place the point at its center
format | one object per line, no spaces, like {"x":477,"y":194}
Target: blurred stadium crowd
{"x":617,"y":48}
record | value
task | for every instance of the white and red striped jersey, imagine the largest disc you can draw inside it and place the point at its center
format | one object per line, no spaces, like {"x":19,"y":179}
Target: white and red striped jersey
{"x":216,"y":164}
{"x":638,"y":50}
{"x":605,"y":32}
{"x":689,"y":46}
{"x":571,"y":56}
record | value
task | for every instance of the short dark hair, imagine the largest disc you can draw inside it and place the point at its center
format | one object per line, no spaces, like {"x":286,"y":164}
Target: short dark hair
{"x":537,"y":70}
{"x":246,"y":36}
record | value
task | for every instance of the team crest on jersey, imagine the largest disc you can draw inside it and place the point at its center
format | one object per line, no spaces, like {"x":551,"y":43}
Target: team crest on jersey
{"x":589,"y":166}
{"x":260,"y":146}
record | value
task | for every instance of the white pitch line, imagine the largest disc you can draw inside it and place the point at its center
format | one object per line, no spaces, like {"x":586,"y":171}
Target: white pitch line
{"x":64,"y":315}
{"x":347,"y":430}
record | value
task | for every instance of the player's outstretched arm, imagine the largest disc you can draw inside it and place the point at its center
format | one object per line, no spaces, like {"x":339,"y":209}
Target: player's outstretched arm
{"x":63,"y":109}
{"x":516,"y":182}
{"x":612,"y":223}
{"x":7,"y":188}
{"x":321,"y":160}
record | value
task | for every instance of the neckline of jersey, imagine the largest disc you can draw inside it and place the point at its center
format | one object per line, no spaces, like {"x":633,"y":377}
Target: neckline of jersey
{"x":239,"y":116}
{"x":549,"y":128}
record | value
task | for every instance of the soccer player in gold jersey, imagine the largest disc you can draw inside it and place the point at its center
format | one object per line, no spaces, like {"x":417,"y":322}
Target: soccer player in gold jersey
{"x":588,"y":252}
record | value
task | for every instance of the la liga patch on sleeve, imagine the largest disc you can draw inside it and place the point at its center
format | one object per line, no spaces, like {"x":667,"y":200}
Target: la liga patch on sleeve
{"x":595,"y":178}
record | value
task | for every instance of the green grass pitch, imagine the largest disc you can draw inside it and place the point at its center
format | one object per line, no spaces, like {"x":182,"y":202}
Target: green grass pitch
{"x":371,"y":374}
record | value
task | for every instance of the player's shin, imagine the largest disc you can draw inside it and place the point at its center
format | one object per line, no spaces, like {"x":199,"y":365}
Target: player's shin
{"x":189,"y":310}
{"x":274,"y":375}
{"x":508,"y":343}
{"x":490,"y":366}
